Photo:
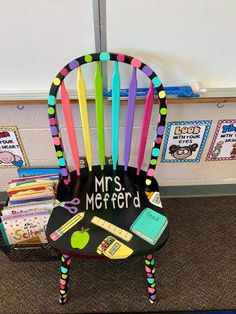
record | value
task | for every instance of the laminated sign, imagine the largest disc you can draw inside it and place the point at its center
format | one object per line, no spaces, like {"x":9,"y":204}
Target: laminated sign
{"x":12,"y":152}
{"x":185,"y":140}
{"x":223,"y":146}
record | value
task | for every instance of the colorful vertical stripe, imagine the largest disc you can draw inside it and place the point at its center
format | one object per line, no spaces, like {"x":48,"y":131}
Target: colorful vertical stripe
{"x":145,"y":126}
{"x":81,"y":91}
{"x":70,"y":128}
{"x":115,"y":113}
{"x":99,"y":113}
{"x":130,"y":117}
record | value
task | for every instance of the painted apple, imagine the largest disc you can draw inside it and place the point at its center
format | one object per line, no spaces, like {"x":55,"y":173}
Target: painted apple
{"x":80,"y":239}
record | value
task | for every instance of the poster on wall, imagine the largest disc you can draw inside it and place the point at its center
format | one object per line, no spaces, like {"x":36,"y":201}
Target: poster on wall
{"x":223,"y":146}
{"x":185,"y":140}
{"x":12,"y":153}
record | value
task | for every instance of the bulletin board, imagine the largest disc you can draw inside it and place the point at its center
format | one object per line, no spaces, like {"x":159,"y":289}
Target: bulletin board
{"x":12,"y":153}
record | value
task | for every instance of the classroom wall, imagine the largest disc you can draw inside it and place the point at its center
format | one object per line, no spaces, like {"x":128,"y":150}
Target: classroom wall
{"x":32,"y":122}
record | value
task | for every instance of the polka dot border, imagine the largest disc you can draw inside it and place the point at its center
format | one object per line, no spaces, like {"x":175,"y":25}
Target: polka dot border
{"x":106,"y":56}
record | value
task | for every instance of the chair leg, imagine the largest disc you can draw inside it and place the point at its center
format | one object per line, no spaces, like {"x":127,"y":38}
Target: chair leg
{"x":150,"y":271}
{"x":64,"y":278}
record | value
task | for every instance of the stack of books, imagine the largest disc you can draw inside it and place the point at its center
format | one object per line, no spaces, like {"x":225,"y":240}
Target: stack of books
{"x":31,"y":201}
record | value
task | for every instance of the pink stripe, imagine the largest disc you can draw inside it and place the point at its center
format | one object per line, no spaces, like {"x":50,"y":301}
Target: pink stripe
{"x":145,"y":126}
{"x":70,"y":126}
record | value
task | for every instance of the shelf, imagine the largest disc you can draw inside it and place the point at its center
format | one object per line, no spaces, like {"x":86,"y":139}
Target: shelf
{"x":213,"y":95}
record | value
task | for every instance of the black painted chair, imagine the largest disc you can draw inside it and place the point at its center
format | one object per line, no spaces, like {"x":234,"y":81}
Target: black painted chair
{"x":117,"y":193}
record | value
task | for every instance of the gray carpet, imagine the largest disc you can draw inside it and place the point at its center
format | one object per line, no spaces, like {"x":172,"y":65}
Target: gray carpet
{"x":195,"y":270}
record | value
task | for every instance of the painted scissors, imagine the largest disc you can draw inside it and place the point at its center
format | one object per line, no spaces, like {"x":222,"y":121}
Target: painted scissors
{"x":68,"y":205}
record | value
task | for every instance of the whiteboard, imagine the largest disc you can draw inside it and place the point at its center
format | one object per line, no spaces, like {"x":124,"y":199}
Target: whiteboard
{"x":184,"y":40}
{"x":39,"y":37}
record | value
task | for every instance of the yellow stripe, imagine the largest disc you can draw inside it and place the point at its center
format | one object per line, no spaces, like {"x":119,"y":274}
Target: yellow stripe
{"x":84,"y":117}
{"x":70,"y":223}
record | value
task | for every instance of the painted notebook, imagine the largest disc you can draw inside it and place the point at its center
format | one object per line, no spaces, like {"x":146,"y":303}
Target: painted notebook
{"x":149,"y":225}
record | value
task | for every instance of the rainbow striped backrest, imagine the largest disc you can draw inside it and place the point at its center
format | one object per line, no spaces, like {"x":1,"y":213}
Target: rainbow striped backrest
{"x":155,"y":83}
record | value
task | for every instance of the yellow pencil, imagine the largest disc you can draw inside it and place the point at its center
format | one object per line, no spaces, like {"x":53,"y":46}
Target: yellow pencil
{"x":67,"y":226}
{"x":81,"y":91}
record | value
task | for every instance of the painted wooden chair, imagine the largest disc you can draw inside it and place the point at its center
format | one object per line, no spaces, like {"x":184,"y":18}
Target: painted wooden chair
{"x":116,"y":194}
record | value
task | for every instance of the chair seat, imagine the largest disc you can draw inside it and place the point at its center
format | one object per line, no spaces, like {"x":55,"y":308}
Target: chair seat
{"x":115,"y":196}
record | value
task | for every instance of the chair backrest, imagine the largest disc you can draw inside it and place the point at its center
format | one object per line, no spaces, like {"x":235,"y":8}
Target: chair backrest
{"x":155,"y":86}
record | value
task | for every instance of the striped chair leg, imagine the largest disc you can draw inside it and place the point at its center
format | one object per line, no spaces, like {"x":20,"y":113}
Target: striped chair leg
{"x":150,"y":271}
{"x":64,"y":278}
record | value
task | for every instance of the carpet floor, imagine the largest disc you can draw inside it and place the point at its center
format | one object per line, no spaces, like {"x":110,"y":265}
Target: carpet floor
{"x":195,"y":270}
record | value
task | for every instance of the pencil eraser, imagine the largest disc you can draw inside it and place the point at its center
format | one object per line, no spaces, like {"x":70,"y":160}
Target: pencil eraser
{"x":54,"y":236}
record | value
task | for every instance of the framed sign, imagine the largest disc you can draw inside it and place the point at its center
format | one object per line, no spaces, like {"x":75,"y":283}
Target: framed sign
{"x":185,"y":140}
{"x":12,"y":153}
{"x":223,"y":146}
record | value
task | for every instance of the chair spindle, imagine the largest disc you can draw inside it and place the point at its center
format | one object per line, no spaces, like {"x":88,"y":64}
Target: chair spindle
{"x":70,"y":126}
{"x":145,"y":126}
{"x":81,"y":91}
{"x":115,"y":114}
{"x":130,"y":117}
{"x":99,"y":113}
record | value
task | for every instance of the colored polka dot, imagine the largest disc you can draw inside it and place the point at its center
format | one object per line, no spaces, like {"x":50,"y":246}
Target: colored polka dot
{"x":155,"y":152}
{"x":120,"y":58}
{"x":148,"y":181}
{"x":156,"y":81}
{"x":54,"y":130}
{"x":104,"y":56}
{"x":151,"y":172}
{"x":88,"y":58}
{"x":51,"y":100}
{"x":51,"y":110}
{"x":73,"y":64}
{"x":64,"y":72}
{"x":153,"y":162}
{"x":163,"y":111}
{"x":162,"y":94}
{"x":59,"y":153}
{"x":64,"y":172}
{"x":161,"y":130}
{"x":56,"y":141}
{"x":64,"y":271}
{"x":159,"y":140}
{"x":136,"y":63}
{"x":62,"y":162}
{"x":52,"y":121}
{"x":66,"y":182}
{"x":148,"y":71}
{"x":56,"y":81}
